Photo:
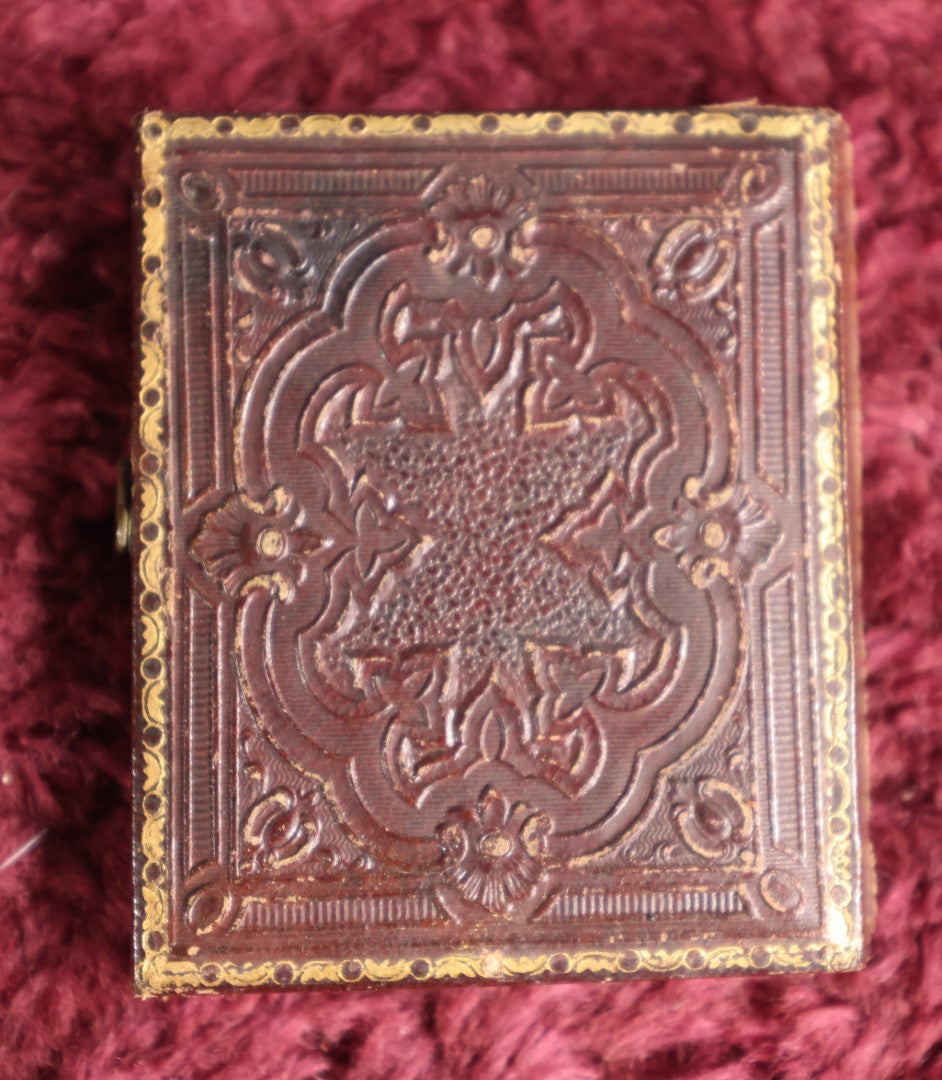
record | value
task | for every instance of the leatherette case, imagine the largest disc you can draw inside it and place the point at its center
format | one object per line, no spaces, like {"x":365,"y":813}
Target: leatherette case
{"x":495,"y":549}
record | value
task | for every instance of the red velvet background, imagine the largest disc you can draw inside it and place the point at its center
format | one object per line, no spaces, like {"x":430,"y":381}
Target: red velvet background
{"x":72,"y":77}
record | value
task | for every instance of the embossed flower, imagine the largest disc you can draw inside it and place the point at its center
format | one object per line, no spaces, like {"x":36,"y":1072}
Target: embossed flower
{"x":494,"y":853}
{"x":729,"y":533}
{"x":244,"y":543}
{"x":477,"y":218}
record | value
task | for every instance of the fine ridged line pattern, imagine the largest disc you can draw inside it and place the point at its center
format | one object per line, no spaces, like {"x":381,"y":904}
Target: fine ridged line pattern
{"x":200,"y":804}
{"x":198,"y":423}
{"x":604,"y":905}
{"x":781,"y":708}
{"x":332,"y":182}
{"x":642,"y":180}
{"x":346,"y":911}
{"x":770,"y":330}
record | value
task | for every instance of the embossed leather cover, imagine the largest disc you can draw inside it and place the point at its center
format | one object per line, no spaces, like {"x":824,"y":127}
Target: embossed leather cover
{"x":495,"y":549}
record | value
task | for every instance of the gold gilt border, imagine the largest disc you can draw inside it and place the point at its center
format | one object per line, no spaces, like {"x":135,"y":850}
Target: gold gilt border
{"x":841,"y":946}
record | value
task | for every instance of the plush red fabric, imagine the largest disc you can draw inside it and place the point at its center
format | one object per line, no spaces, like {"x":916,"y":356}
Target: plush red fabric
{"x":72,"y":77}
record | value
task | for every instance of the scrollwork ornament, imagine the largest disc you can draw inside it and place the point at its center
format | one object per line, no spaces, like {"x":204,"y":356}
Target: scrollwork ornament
{"x":759,"y":182}
{"x":712,"y":818}
{"x":293,"y":831}
{"x":270,"y":262}
{"x":694,"y":264}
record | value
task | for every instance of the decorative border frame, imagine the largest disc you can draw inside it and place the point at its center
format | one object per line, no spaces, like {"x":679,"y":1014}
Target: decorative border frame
{"x":845,"y":864}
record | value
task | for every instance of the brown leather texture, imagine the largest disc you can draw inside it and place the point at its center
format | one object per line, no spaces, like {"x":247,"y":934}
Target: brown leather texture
{"x":494,"y":620}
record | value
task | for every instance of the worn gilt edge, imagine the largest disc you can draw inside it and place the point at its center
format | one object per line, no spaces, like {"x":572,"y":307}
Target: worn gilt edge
{"x":842,"y":947}
{"x":167,"y":976}
{"x":152,"y":945}
{"x":748,"y":121}
{"x":842,"y":844}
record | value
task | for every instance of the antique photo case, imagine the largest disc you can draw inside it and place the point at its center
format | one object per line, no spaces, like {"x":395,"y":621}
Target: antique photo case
{"x":495,"y":550}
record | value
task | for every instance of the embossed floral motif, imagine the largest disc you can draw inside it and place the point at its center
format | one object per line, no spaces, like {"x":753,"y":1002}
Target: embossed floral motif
{"x":559,"y":742}
{"x":269,"y":262}
{"x":604,"y":539}
{"x":248,"y":544}
{"x":381,"y":536}
{"x":694,"y":264}
{"x":697,"y":800}
{"x":729,"y":533}
{"x":245,"y":543}
{"x":285,"y":828}
{"x":435,"y":355}
{"x":713,"y":818}
{"x":494,"y":853}
{"x":477,"y":218}
{"x":693,"y":261}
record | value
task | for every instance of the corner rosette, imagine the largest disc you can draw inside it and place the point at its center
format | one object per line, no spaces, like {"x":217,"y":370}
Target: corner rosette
{"x":727,"y":534}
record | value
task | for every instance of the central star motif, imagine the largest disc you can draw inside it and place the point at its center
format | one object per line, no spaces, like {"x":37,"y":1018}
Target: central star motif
{"x":488,"y":581}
